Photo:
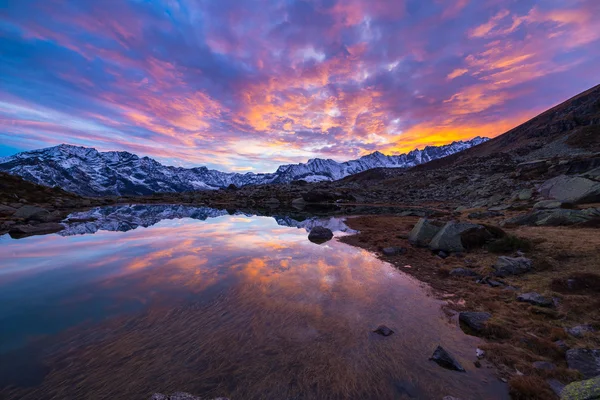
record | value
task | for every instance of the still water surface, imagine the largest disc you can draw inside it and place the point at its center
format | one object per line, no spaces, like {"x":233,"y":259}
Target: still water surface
{"x":129,"y":301}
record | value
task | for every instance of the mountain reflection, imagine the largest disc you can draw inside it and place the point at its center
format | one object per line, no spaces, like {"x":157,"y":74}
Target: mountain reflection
{"x":124,"y":218}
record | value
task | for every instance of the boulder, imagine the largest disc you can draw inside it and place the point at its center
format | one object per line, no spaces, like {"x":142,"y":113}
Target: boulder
{"x":544,"y":365}
{"x":320,"y":234}
{"x":580,"y":330}
{"x":536,"y":299}
{"x":444,"y":359}
{"x":31,"y":213}
{"x":474,"y":320}
{"x":19,"y":231}
{"x":571,"y":189}
{"x":383,"y":330}
{"x":424,"y":231}
{"x":586,"y":361}
{"x":449,"y":238}
{"x":506,"y":266}
{"x":582,"y":390}
{"x":547,"y":204}
{"x":525,"y":194}
{"x":554,"y":217}
{"x":393,"y":251}
{"x":464,"y":272}
{"x":7,"y":210}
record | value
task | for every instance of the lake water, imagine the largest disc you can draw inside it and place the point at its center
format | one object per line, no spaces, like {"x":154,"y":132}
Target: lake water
{"x":134,"y":300}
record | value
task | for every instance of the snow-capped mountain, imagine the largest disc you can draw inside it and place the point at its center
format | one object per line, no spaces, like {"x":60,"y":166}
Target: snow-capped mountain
{"x":88,"y":172}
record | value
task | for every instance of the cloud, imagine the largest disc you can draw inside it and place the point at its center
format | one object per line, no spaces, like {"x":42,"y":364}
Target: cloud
{"x":247,"y":85}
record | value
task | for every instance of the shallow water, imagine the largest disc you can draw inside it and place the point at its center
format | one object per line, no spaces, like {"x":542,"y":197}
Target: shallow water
{"x":169,"y":298}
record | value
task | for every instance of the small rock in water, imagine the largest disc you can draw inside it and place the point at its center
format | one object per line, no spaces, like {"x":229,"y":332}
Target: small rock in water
{"x":383,"y":330}
{"x":320,"y":234}
{"x":445,"y":360}
{"x":536,"y":299}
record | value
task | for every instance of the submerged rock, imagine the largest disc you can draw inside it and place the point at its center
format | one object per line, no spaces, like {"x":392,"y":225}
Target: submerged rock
{"x":571,"y":189}
{"x":582,"y":390}
{"x":475,"y":320}
{"x":383,"y":330}
{"x":536,"y":299}
{"x":444,"y":359}
{"x":424,"y":231}
{"x":320,"y":234}
{"x":506,"y":266}
{"x":586,"y":361}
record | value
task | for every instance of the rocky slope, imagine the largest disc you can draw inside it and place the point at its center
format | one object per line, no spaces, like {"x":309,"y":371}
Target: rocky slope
{"x":87,"y":172}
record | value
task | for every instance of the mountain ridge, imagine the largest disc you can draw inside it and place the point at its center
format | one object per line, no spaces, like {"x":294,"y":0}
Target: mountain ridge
{"x":88,"y":172}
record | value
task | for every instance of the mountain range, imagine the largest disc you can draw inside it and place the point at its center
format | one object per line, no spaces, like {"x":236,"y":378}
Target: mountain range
{"x":88,"y":172}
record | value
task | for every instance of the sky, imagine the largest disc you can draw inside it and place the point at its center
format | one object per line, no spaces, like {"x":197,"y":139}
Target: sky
{"x":247,"y":85}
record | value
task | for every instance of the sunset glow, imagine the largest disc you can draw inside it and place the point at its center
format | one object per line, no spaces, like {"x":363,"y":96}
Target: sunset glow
{"x":249,"y":85}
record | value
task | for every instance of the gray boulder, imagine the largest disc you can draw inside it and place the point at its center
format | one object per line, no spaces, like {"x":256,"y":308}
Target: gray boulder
{"x":547,"y":204}
{"x":506,"y":266}
{"x":320,"y":234}
{"x":449,"y":238}
{"x":474,"y":320}
{"x":525,"y":194}
{"x":582,"y":390}
{"x":445,"y":360}
{"x":536,"y":299}
{"x":7,"y":210}
{"x":571,"y":189}
{"x":586,"y":361}
{"x":554,"y":217}
{"x":31,"y":213}
{"x":424,"y":231}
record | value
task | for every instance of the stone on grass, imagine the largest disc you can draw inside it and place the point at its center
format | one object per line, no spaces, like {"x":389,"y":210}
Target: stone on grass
{"x":586,"y":361}
{"x":536,"y":299}
{"x":424,"y":231}
{"x":580,"y":330}
{"x":506,"y":266}
{"x":464,"y":272}
{"x":475,"y":320}
{"x":320,"y":234}
{"x":450,"y":237}
{"x":582,"y":390}
{"x":571,"y":189}
{"x":544,"y":365}
{"x":444,"y":359}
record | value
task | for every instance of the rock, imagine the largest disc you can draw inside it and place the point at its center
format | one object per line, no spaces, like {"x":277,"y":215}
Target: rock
{"x":442,"y":254}
{"x":544,"y":365}
{"x":272,"y":202}
{"x":298,"y":203}
{"x":506,"y":266}
{"x":450,"y":398}
{"x":393,"y":251}
{"x":450,"y":237}
{"x":586,"y":361}
{"x":463,"y":272}
{"x":19,"y":231}
{"x":7,"y":210}
{"x":424,"y":231}
{"x":561,"y":344}
{"x":479,"y":353}
{"x":485,"y":214}
{"x":383,"y":330}
{"x":554,"y":217}
{"x":445,"y":360}
{"x":547,"y":204}
{"x":31,"y":213}
{"x":319,"y":196}
{"x":580,"y":330}
{"x":536,"y":299}
{"x":582,"y":390}
{"x":556,"y":386}
{"x":320,"y":234}
{"x":499,"y":208}
{"x":571,"y":189}
{"x":475,"y":320}
{"x":460,"y":209}
{"x":525,"y":194}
